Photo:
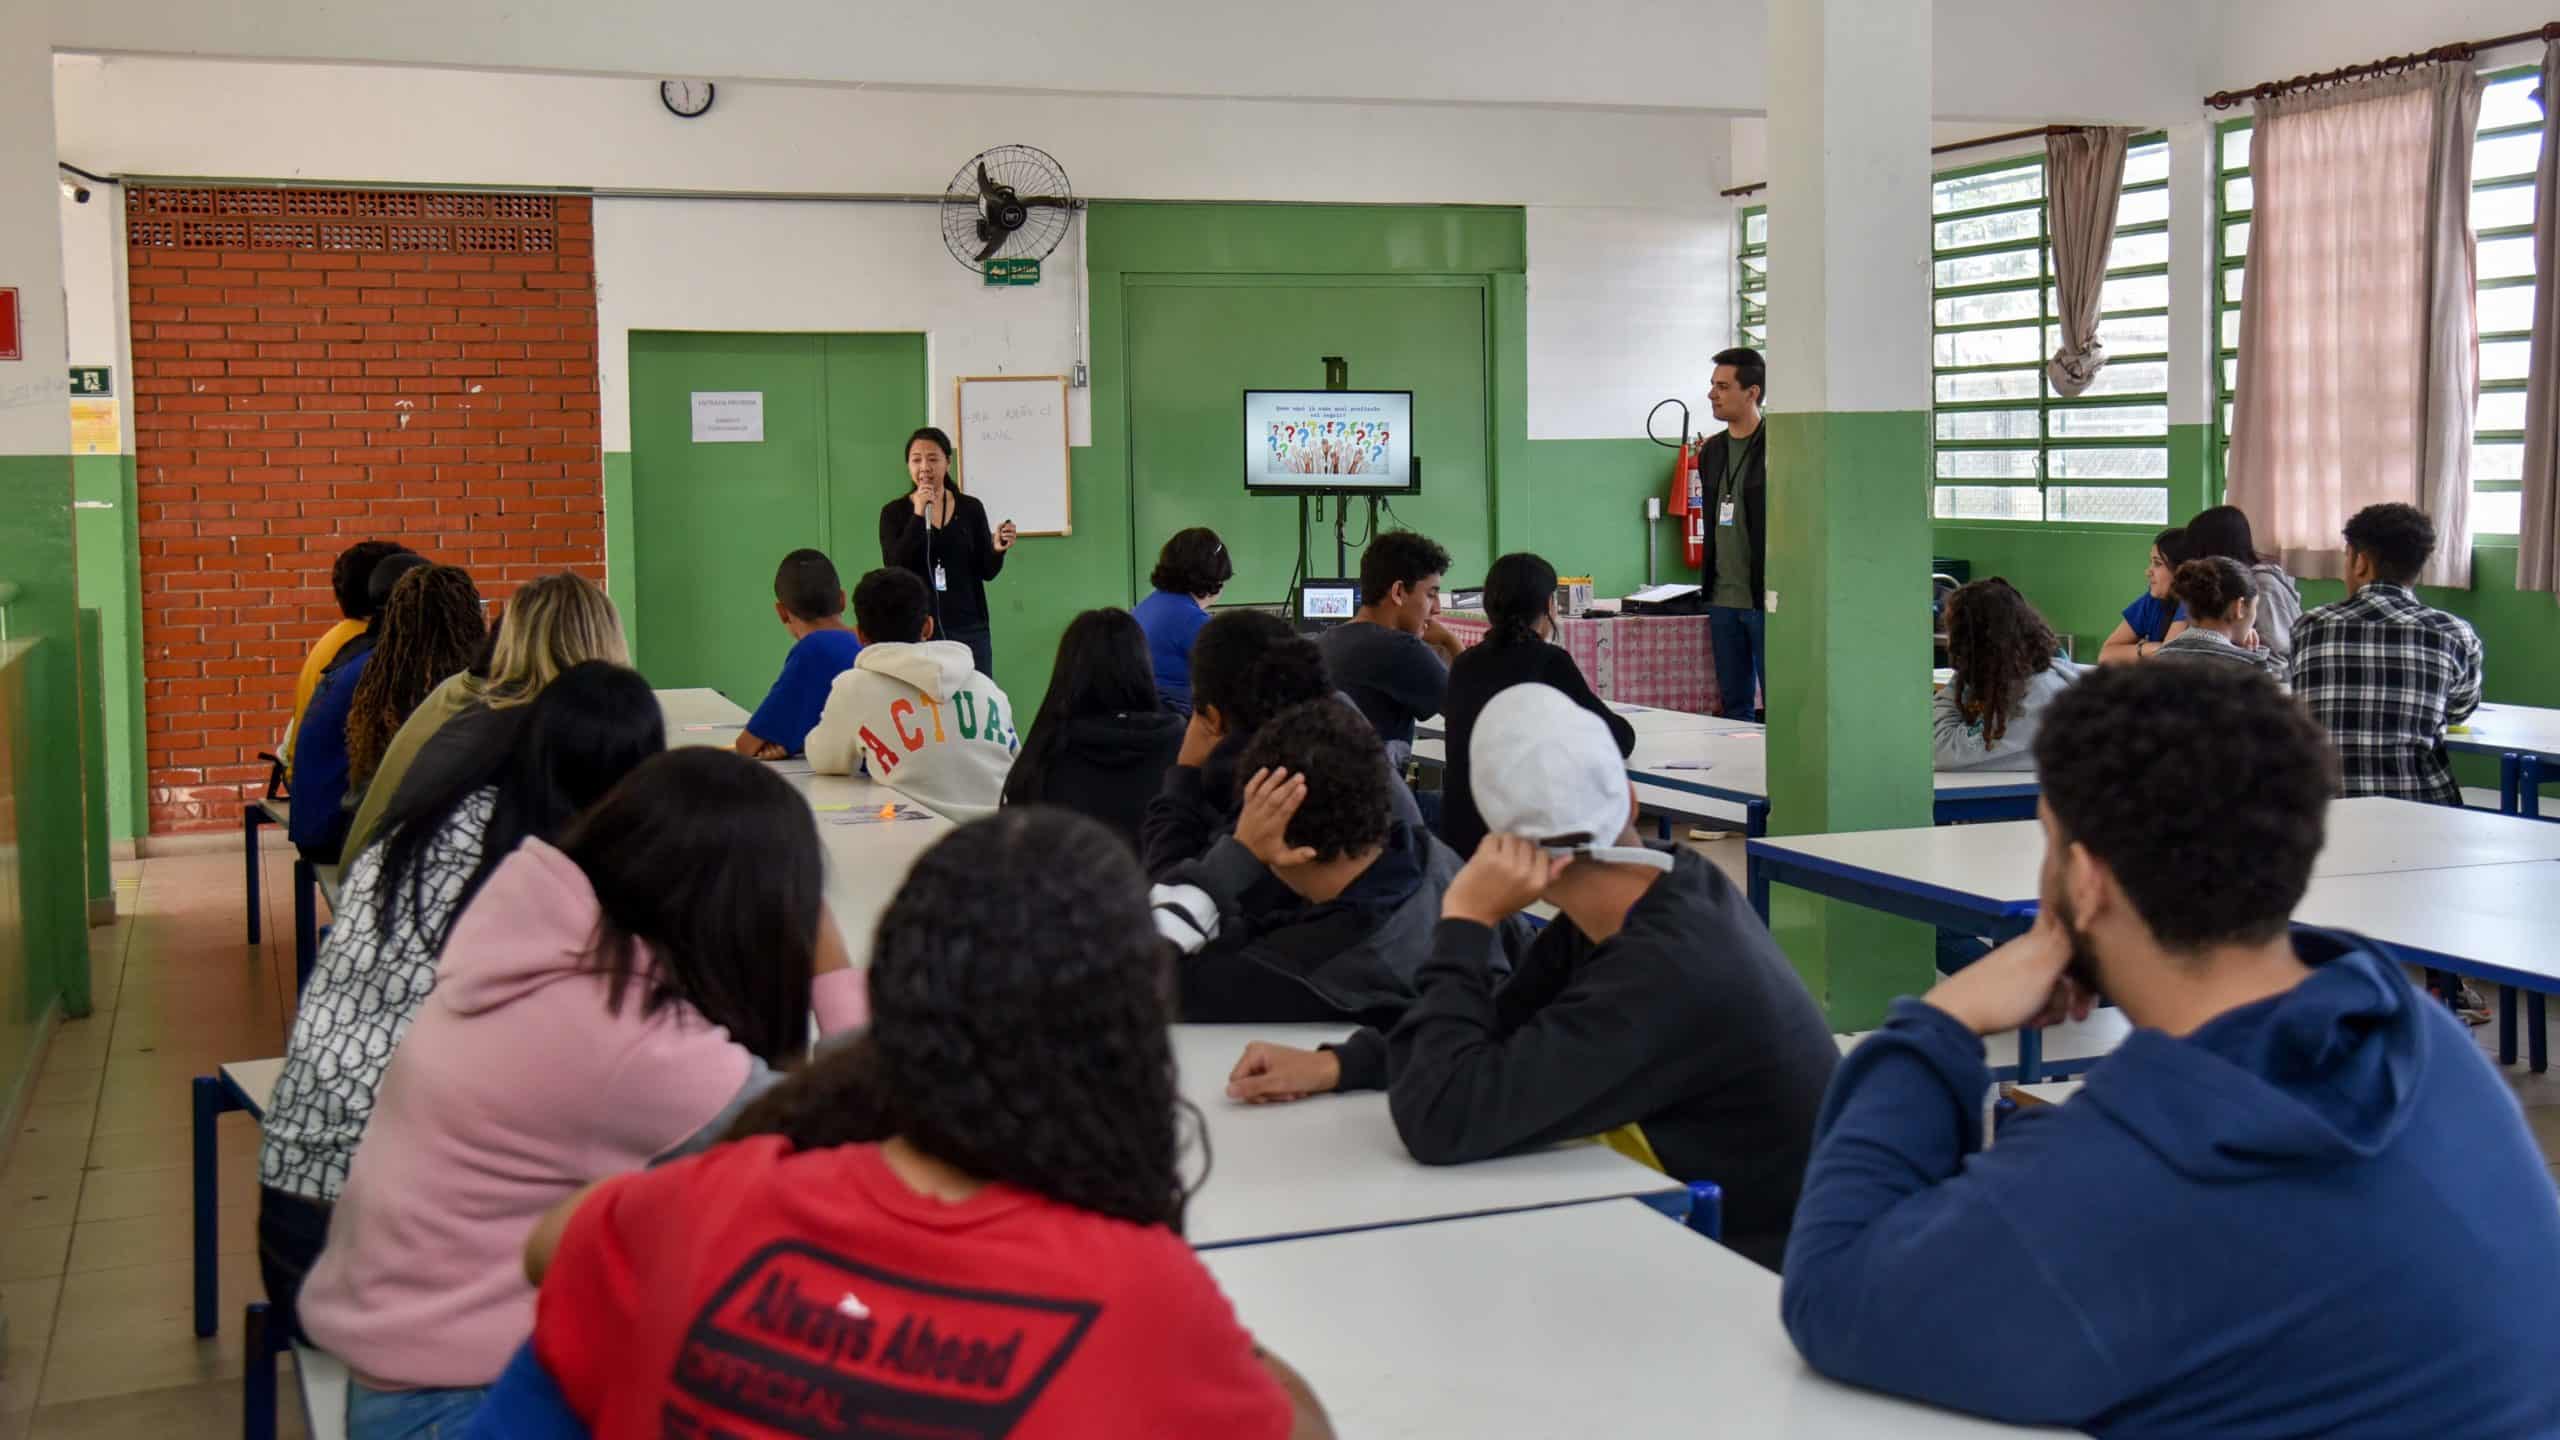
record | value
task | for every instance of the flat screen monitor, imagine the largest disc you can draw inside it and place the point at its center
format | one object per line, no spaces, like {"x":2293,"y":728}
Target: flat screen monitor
{"x":1310,"y":442}
{"x":1324,"y":603}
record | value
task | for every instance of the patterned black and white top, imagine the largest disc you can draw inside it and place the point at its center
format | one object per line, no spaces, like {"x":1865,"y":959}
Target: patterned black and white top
{"x":364,"y":991}
{"x":2386,"y":673}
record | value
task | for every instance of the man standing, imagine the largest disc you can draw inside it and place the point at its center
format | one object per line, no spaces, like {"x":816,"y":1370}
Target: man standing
{"x":2292,"y":1167}
{"x":1393,"y":656}
{"x":1734,"y":574}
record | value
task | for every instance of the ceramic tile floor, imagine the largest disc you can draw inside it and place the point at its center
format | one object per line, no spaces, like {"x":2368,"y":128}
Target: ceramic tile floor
{"x":94,"y":1271}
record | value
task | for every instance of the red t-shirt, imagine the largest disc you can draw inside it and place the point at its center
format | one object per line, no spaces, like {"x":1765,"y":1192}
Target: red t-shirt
{"x":752,"y":1292}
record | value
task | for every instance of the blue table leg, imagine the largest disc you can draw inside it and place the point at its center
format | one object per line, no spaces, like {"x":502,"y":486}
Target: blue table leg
{"x":1755,"y":823}
{"x":2529,"y":786}
{"x":2506,"y":1024}
{"x":1706,"y":1208}
{"x":2535,"y":1042}
{"x":2030,"y":1056}
{"x":258,"y":1380}
{"x":2508,"y":764}
{"x":250,"y":819}
{"x":306,"y":921}
{"x":206,"y":1095}
{"x":1755,"y":819}
{"x":1662,"y":827}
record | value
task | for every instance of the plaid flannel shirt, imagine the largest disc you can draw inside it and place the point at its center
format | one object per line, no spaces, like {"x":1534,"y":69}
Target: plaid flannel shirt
{"x":2386,"y":673}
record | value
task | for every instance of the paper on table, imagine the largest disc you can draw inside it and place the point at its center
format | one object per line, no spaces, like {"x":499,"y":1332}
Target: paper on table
{"x":696,"y":729}
{"x":875,"y":815}
{"x":1687,"y":765}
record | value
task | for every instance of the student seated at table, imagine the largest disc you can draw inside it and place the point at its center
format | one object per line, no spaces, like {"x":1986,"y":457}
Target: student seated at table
{"x":2297,"y":1201}
{"x":1246,"y":667}
{"x":2224,"y":531}
{"x":547,"y":626}
{"x":2145,"y":626}
{"x":425,"y":638}
{"x":2008,"y":668}
{"x":1392,"y":657}
{"x":397,"y":904}
{"x":1654,"y":1009}
{"x":601,"y":1004}
{"x":1190,"y":571}
{"x":350,"y":583}
{"x":2221,"y":609}
{"x":2385,"y":671}
{"x":1100,"y":744}
{"x":1358,"y":888}
{"x":1519,"y":603}
{"x":809,"y":601}
{"x":913,"y":711}
{"x":317,"y":816}
{"x":1023,"y":1209}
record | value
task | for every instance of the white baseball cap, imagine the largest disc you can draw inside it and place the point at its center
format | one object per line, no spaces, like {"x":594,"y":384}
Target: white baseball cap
{"x":1547,"y":769}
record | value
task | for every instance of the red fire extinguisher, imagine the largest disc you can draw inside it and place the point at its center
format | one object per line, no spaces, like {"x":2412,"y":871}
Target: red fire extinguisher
{"x":1689,"y":499}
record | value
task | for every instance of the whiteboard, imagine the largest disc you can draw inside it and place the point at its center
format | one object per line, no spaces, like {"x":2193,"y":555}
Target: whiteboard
{"x":1013,"y":449}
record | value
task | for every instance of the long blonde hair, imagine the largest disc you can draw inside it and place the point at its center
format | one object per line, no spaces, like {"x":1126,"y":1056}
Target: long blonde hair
{"x":551,"y":624}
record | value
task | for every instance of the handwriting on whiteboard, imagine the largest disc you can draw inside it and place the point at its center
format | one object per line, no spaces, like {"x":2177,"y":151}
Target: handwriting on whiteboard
{"x":988,"y":421}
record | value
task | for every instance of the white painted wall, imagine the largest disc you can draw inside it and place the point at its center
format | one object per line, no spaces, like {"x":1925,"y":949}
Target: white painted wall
{"x":2260,"y":40}
{"x":93,"y":291}
{"x":35,"y":416}
{"x":1633,"y":259}
{"x":1993,"y":57}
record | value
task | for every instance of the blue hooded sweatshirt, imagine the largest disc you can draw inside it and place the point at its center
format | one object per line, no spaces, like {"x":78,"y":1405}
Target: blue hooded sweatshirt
{"x":2319,"y":1215}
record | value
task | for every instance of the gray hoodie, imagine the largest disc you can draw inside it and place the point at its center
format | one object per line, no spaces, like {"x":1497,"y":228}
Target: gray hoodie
{"x":2197,"y":643}
{"x":1960,"y":745}
{"x":2279,"y":606}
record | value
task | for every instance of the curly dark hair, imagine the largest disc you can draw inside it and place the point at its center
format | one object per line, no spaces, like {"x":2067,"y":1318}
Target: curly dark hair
{"x":2204,"y":789}
{"x":1193,"y":562}
{"x":1248,"y":665}
{"x":1518,"y":592}
{"x":2211,"y":586}
{"x":1997,"y":642}
{"x":2398,"y":539}
{"x":429,"y":630}
{"x":351,"y":575}
{"x":711,"y":861}
{"x":1018,"y":1025}
{"x":1398,"y":557}
{"x":1350,"y":805}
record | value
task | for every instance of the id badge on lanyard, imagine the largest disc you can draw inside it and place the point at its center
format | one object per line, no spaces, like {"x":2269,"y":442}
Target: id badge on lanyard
{"x":1724,"y":510}
{"x":942,"y":584}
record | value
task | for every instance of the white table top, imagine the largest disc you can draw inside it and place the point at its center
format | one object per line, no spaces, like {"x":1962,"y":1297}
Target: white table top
{"x":2493,"y":922}
{"x":2068,"y":1043}
{"x":1336,"y":1163}
{"x":866,"y":863}
{"x":1646,"y":720}
{"x":1999,"y":861}
{"x":256,"y":1080}
{"x":1603,"y":1319}
{"x":2494,"y":729}
{"x":1731,"y":764}
{"x":701,"y":717}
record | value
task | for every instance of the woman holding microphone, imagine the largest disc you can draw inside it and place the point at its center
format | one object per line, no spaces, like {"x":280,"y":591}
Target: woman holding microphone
{"x":942,"y":537}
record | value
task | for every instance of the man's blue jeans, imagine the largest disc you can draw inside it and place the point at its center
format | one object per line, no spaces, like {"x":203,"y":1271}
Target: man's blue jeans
{"x":1738,"y":636}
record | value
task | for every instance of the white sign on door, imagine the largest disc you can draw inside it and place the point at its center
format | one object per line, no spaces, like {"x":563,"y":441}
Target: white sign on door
{"x":728,"y":417}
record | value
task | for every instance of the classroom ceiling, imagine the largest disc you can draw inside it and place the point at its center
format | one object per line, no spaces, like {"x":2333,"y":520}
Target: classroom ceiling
{"x":1993,"y":57}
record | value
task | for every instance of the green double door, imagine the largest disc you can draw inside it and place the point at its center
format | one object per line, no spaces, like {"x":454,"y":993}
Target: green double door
{"x":711,"y":519}
{"x":1196,"y":344}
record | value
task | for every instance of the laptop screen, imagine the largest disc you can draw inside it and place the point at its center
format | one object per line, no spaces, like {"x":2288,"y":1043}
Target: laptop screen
{"x":1328,"y":602}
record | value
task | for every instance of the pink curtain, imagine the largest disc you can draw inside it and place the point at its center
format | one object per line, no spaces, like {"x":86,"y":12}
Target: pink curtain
{"x":2358,"y":342}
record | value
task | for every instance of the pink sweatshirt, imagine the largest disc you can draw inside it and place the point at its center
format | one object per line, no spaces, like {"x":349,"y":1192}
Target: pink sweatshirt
{"x":514,"y":1087}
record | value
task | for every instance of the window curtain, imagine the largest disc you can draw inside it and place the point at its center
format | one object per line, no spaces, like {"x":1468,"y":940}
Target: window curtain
{"x":2359,"y":348}
{"x":2083,"y":182}
{"x":2538,"y":555}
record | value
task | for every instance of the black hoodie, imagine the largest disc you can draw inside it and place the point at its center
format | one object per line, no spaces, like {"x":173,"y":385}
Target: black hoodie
{"x":1109,"y":767}
{"x":1688,"y":1023}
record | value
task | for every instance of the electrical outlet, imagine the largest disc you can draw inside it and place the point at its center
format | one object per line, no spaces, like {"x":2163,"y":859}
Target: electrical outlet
{"x":1082,"y":377}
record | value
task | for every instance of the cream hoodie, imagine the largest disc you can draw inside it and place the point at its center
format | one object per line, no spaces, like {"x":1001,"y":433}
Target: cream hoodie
{"x":921,"y":720}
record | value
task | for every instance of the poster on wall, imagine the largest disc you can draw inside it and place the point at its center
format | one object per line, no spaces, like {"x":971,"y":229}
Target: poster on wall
{"x":10,"y":347}
{"x":728,"y":417}
{"x":95,"y":428}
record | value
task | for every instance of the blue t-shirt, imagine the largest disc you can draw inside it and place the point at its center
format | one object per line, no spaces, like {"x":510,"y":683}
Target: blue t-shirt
{"x":1171,"y":622}
{"x":2149,"y":617}
{"x":316,"y":818}
{"x":799,"y":694}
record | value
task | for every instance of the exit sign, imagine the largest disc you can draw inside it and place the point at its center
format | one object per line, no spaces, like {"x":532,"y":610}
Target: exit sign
{"x":12,"y":346}
{"x":92,"y":381}
{"x":1013,"y":272}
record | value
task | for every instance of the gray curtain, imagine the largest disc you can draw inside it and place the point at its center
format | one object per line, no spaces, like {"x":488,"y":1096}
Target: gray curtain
{"x":2538,"y":555}
{"x":2083,"y":182}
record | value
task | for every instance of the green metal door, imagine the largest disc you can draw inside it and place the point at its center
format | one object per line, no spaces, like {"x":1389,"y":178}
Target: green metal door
{"x":1197,"y":344}
{"x":711,"y":519}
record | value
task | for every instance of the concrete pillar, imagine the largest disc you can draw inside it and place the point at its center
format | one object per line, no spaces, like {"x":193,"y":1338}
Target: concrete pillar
{"x":1849,"y":491}
{"x":38,"y":669}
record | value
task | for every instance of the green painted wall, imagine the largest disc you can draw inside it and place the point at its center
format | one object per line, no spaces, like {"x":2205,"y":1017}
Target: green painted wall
{"x":44,"y":944}
{"x":110,"y":583}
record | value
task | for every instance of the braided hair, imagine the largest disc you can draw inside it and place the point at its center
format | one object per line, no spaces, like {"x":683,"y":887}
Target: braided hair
{"x":429,"y":629}
{"x":1997,"y":642}
{"x":1518,"y":592}
{"x":1019,"y":1014}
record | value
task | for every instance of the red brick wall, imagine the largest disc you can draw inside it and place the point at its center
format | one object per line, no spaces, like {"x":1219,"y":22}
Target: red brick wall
{"x":316,"y":367}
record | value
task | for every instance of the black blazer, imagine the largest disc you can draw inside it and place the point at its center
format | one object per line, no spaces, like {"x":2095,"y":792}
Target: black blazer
{"x":965,"y":549}
{"x":1755,"y":509}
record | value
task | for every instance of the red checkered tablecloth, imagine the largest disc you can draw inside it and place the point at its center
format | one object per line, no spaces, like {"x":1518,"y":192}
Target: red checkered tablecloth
{"x":1665,"y":661}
